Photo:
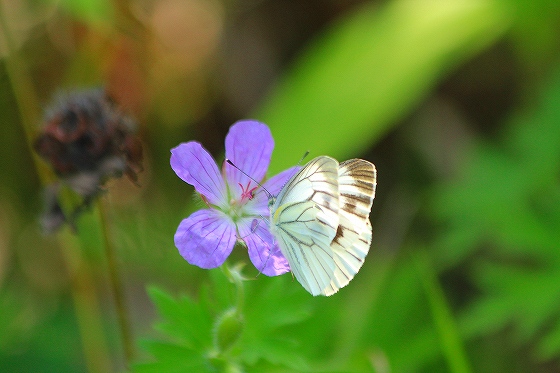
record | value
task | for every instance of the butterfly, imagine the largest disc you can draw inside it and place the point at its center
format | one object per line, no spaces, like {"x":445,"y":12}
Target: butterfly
{"x":320,"y":220}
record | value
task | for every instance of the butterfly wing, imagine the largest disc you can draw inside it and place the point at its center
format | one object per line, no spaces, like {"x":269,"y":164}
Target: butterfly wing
{"x":304,"y":220}
{"x":356,"y":185}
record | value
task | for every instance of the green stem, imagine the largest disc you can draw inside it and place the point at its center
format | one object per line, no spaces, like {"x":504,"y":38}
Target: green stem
{"x":446,"y":327}
{"x":235,"y":276}
{"x":116,"y":286}
{"x":86,"y":304}
{"x":24,"y":93}
{"x":88,"y":314}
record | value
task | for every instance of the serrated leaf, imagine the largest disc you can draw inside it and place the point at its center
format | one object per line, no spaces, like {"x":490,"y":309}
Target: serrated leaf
{"x":269,"y":333}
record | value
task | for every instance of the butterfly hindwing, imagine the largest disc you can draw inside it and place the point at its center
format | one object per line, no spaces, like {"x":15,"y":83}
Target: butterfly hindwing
{"x":356,"y":183}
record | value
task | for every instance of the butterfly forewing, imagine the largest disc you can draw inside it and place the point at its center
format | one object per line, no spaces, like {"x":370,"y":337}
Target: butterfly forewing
{"x":318,"y":182}
{"x":356,"y":183}
{"x":304,"y":219}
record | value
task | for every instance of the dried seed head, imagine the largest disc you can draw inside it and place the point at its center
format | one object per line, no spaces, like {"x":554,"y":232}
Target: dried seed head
{"x":87,"y":140}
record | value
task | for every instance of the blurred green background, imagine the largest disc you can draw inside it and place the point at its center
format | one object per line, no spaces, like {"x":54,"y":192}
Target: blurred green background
{"x":456,"y":102}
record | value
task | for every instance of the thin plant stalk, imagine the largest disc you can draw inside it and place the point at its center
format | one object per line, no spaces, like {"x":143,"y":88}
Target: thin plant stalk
{"x":116,"y":286}
{"x":82,"y":287}
{"x":86,"y":305}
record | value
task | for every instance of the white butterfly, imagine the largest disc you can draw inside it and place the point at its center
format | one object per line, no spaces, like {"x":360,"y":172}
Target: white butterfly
{"x":320,"y":220}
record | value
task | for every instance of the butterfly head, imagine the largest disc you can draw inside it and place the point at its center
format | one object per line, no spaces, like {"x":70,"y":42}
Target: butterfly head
{"x":271,"y":201}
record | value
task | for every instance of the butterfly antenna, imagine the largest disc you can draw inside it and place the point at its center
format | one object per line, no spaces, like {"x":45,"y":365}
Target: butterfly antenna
{"x":254,"y":226}
{"x":244,"y":173}
{"x":265,"y":262}
{"x":298,"y":164}
{"x":302,"y":158}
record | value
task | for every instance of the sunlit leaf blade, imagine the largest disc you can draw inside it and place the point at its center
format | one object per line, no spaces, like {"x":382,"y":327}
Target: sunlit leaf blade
{"x":368,"y":70}
{"x":444,"y":322}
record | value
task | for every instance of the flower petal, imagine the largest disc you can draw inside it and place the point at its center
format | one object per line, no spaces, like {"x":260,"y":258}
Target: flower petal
{"x":259,"y":204}
{"x":249,"y":146}
{"x":263,"y":250}
{"x":194,"y":165}
{"x":206,"y":238}
{"x":275,"y":183}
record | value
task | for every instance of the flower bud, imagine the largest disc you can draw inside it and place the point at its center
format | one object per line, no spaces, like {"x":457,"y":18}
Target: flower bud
{"x":228,"y":329}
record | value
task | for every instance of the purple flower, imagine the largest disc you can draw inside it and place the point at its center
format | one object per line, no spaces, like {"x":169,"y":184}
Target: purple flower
{"x":236,"y":204}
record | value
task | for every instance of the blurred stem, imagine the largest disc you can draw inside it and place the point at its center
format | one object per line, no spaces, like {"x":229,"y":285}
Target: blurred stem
{"x":86,"y":305}
{"x":82,"y":286}
{"x":445,"y":325}
{"x":24,"y":94}
{"x":116,"y":286}
{"x":127,"y":22}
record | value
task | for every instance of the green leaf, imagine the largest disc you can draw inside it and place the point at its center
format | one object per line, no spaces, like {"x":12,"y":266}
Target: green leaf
{"x":505,"y":193}
{"x":188,"y":327}
{"x":172,"y":358}
{"x":444,"y":321}
{"x":92,"y":11}
{"x":183,"y":319}
{"x":275,"y":328}
{"x":368,"y":70}
{"x":507,"y":197}
{"x":550,"y":344}
{"x":399,"y":324}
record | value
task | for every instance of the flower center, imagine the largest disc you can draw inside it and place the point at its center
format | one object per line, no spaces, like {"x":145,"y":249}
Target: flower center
{"x":236,"y":205}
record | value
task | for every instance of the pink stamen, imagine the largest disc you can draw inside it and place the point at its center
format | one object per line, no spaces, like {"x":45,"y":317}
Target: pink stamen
{"x":246,"y":192}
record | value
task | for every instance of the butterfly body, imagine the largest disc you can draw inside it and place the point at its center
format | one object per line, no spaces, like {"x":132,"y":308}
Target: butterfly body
{"x":320,"y":220}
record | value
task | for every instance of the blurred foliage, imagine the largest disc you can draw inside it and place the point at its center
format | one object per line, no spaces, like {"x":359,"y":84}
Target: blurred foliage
{"x":507,"y":200}
{"x":383,"y":54}
{"x":457,"y":103}
{"x":88,"y":10}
